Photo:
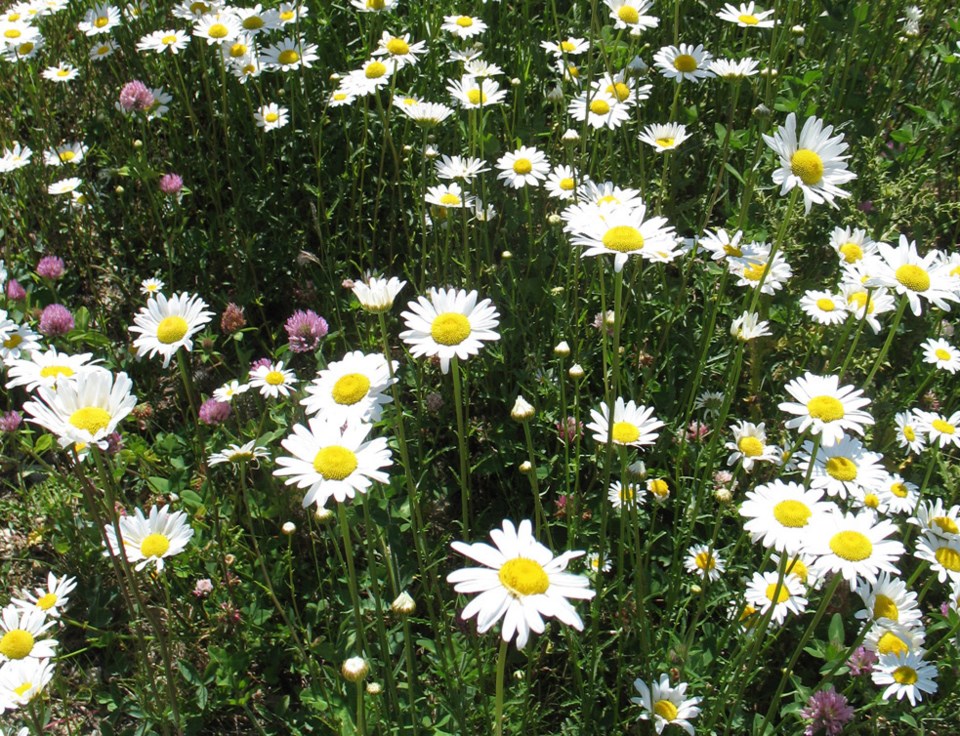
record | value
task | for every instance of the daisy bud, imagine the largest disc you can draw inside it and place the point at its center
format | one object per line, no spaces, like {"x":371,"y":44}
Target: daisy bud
{"x":576,"y":371}
{"x":323,"y":514}
{"x":521,"y":411}
{"x":555,"y":94}
{"x":118,"y":189}
{"x":637,"y":470}
{"x":138,"y":143}
{"x":557,"y":290}
{"x":723,"y":496}
{"x":404,"y":605}
{"x":355,"y":669}
{"x":562,"y":349}
{"x":408,"y":148}
{"x":636,"y":67}
{"x":570,"y":136}
{"x":288,"y":528}
{"x":374,"y":688}
{"x":526,"y":467}
{"x":506,"y":255}
{"x":334,"y":77}
{"x":761,"y":111}
{"x":798,"y":30}
{"x":515,"y":82}
{"x":696,"y":589}
{"x":431,"y":152}
{"x":554,"y":219}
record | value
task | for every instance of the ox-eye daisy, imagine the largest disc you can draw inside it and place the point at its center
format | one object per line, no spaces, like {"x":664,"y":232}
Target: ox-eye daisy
{"x":599,"y":109}
{"x":854,"y":546}
{"x":623,"y":231}
{"x":750,"y":446}
{"x":747,"y":15}
{"x":166,"y":325}
{"x":352,"y":389}
{"x":852,"y":244}
{"x":684,"y":62}
{"x":942,"y":354}
{"x":780,"y":515}
{"x":666,"y":705}
{"x":906,"y":675}
{"x":913,"y":276}
{"x":788,"y":591}
{"x":826,"y":408}
{"x":150,"y":539}
{"x":21,"y":634}
{"x":704,"y":562}
{"x":521,"y":582}
{"x":271,"y":116}
{"x":522,"y":167}
{"x":910,"y":432}
{"x":49,"y":599}
{"x":632,"y":14}
{"x":449,"y":324}
{"x":842,"y":467}
{"x":940,"y":429}
{"x":273,"y":380}
{"x":463,"y":26}
{"x":633,"y":425}
{"x":824,"y":307}
{"x":888,"y":599}
{"x":664,"y":137}
{"x":47,"y":368}
{"x":248,"y":452}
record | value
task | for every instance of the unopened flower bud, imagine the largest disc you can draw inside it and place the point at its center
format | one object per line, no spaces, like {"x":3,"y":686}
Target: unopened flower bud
{"x":323,"y":514}
{"x":570,"y":136}
{"x":798,"y":30}
{"x":637,"y":470}
{"x":562,"y":349}
{"x":636,"y":67}
{"x":118,"y":189}
{"x":555,"y":94}
{"x":696,"y":589}
{"x":554,"y":219}
{"x":288,"y":528}
{"x":521,"y":411}
{"x":355,"y":669}
{"x":138,"y":143}
{"x":506,"y":255}
{"x":374,"y":688}
{"x":526,"y":466}
{"x":576,"y":371}
{"x":515,"y":82}
{"x":723,"y":496}
{"x":404,"y":605}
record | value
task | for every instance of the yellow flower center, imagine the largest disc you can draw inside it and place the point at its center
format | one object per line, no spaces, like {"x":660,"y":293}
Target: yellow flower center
{"x":664,"y":708}
{"x":218,"y":30}
{"x":619,"y":90}
{"x":103,"y":50}
{"x":899,"y":489}
{"x":63,"y":72}
{"x":782,"y":596}
{"x":476,"y":97}
{"x":450,"y":328}
{"x":154,"y":545}
{"x":826,"y":305}
{"x":101,"y":21}
{"x":949,"y":558}
{"x":628,"y":14}
{"x":199,"y":7}
{"x":659,"y":488}
{"x":252,"y":23}
{"x":12,"y":33}
{"x":271,"y":117}
{"x":376,"y":4}
{"x":25,"y":48}
{"x":599,"y":107}
{"x":289,"y":56}
{"x":450,"y":200}
{"x":946,"y":524}
{"x":798,"y":568}
{"x":286,"y":15}
{"x":398,"y":47}
{"x":567,"y":184}
{"x":890,"y":643}
{"x":905,"y":675}
{"x":842,"y":468}
{"x":464,"y":21}
{"x":791,"y":513}
{"x":750,"y":446}
{"x":755,"y":271}
{"x":238,"y":50}
{"x":21,"y":690}
{"x":884,"y":607}
{"x":53,"y":371}
{"x":825,"y":408}
{"x":335,"y":462}
{"x":851,"y":546}
{"x":567,"y":47}
{"x":943,"y":427}
{"x":626,"y":494}
{"x":274,"y":378}
{"x":522,"y":166}
{"x":909,"y":433}
{"x":913,"y":277}
{"x":748,"y":20}
{"x":731,"y":250}
{"x":350,"y":388}
{"x":851,"y":252}
{"x":90,"y":418}
{"x":871,"y":501}
{"x":941,"y":354}
{"x":705,"y":561}
{"x":171,"y":329}
{"x":807,"y":165}
{"x":685,"y":63}
{"x":665,"y":142}
{"x":375,"y":70}
{"x":623,"y":239}
{"x":16,"y":644}
{"x":522,"y":577}
{"x":625,"y":432}
{"x":46,"y":602}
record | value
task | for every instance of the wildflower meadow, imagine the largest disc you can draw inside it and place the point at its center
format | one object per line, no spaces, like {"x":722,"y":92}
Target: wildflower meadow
{"x":419,"y":367}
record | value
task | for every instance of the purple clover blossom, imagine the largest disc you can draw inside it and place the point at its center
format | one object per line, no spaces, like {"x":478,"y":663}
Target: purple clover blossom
{"x":15,"y":291}
{"x":861,"y":662}
{"x":56,"y":320}
{"x":827,"y":710}
{"x":260,"y":363}
{"x":50,"y":267}
{"x":213,"y":412}
{"x":136,"y":95}
{"x":10,"y":421}
{"x":305,"y":329}
{"x":171,"y":184}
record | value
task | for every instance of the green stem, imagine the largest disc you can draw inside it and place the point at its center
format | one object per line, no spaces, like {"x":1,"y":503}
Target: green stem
{"x":462,"y":448}
{"x":498,"y":706}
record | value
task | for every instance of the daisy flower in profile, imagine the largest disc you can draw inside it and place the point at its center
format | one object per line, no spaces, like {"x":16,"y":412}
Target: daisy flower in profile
{"x":101,"y":19}
{"x":68,"y":153}
{"x":15,"y":157}
{"x":257,"y":19}
{"x":886,"y":637}
{"x":720,"y":244}
{"x":463,"y":26}
{"x":431,"y":114}
{"x":459,"y":167}
{"x":914,"y":276}
{"x":684,"y":62}
{"x":599,"y":109}
{"x":165,"y":325}
{"x":748,"y":326}
{"x":633,"y":426}
{"x":521,"y":582}
{"x":622,"y":88}
{"x":842,"y":467}
{"x":622,"y":231}
{"x":273,"y":380}
{"x":472,"y":93}
{"x":626,"y":495}
{"x":330,"y":463}
{"x":906,"y":674}
{"x":632,"y":14}
{"x":866,"y":304}
{"x":824,"y":307}
{"x":378,"y":294}
{"x":374,"y":6}
{"x":854,"y":546}
{"x":888,"y":599}
{"x":703,"y":561}
{"x":449,"y":323}
{"x":448,"y":195}
{"x":231,"y":389}
{"x":22,"y":681}
{"x":940,"y":429}
{"x":21,"y":634}
{"x":812,"y":162}
{"x":734,"y":70}
{"x":271,"y":116}
{"x":666,"y":704}
{"x":781,"y":515}
{"x":910,"y":432}
{"x":750,"y":446}
{"x":933,"y":516}
{"x":755,"y":268}
{"x":569,"y":46}
{"x":664,"y":137}
{"x":943,"y":554}
{"x":852,"y":244}
{"x":659,"y":489}
{"x":50,"y":599}
{"x":901,"y":495}
{"x":351,"y":390}
{"x":149,"y":539}
{"x":86,"y":410}
{"x":942,"y":354}
{"x":746,"y":16}
{"x":64,"y":186}
{"x":45,"y":368}
{"x":825,"y":408}
{"x":248,"y":452}
{"x":788,"y":591}
{"x":522,"y":167}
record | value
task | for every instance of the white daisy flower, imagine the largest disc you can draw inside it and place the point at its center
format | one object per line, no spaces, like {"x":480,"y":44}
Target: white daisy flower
{"x":889,"y":600}
{"x":852,"y":244}
{"x":854,"y":546}
{"x":351,"y":390}
{"x":748,"y":326}
{"x":940,"y":429}
{"x":400,"y":50}
{"x":290,"y":54}
{"x":901,"y":495}
{"x":525,"y":166}
{"x":521,"y":582}
{"x":101,"y":19}
{"x":824,"y":307}
{"x":781,"y":515}
{"x":569,"y":46}
{"x":622,"y":231}
{"x":633,"y":426}
{"x":666,"y":704}
{"x":735,"y":69}
{"x":905,"y":675}
{"x":330,"y":463}
{"x":248,"y":452}
{"x":721,"y":245}
{"x":448,"y":195}
{"x":23,"y":634}
{"x":684,"y":62}
{"x":886,"y":637}
{"x":102,"y":50}
{"x":68,"y":153}
{"x":449,"y":323}
{"x":273,"y":380}
{"x":50,"y":599}
{"x":913,"y":276}
{"x":866,"y":304}
{"x":61,"y":73}
{"x":459,"y":167}
{"x":825,"y":408}
{"x":664,"y":137}
{"x":463,"y":26}
{"x":632,"y":14}
{"x":271,"y":117}
{"x":258,"y":19}
{"x":788,"y":591}
{"x":374,"y":6}
{"x":942,"y":354}
{"x":755,"y":266}
{"x":812,"y":162}
{"x":748,"y":15}
{"x":943,"y":554}
{"x":165,"y":325}
{"x":151,"y":286}
{"x":149,"y":539}
{"x":799,"y":566}
{"x":910,"y":433}
{"x":217,"y":28}
{"x":64,"y":186}
{"x":704,"y":562}
{"x":378,"y":294}
{"x":16,"y":341}
{"x":46,"y":368}
{"x":293,"y":13}
{"x":933,"y":516}
{"x":14,"y":158}
{"x":86,"y":410}
{"x":563,"y":182}
{"x":841,"y":467}
{"x":471,"y":93}
{"x":23,"y":680}
{"x":750,"y":446}
{"x":599,"y":109}
{"x":625,"y":495}
{"x":622,"y":88}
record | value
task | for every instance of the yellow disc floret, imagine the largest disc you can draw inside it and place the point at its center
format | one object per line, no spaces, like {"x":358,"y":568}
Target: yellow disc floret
{"x":335,"y":462}
{"x":350,"y":389}
{"x":450,"y":328}
{"x":807,"y":165}
{"x":522,"y":577}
